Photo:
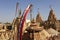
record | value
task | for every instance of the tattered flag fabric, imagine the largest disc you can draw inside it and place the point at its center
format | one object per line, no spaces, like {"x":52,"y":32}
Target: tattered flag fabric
{"x":23,"y":18}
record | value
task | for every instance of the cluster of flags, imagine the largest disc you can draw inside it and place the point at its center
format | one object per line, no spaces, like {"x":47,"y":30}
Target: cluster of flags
{"x":23,"y":18}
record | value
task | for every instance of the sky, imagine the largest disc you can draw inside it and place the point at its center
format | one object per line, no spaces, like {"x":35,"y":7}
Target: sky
{"x":8,"y":8}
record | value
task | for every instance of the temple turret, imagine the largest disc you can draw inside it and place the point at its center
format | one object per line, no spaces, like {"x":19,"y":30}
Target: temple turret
{"x":38,"y":17}
{"x":33,"y":31}
{"x":51,"y":19}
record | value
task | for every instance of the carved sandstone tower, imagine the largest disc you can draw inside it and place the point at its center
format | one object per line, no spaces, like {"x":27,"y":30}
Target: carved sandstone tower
{"x":38,"y":17}
{"x":51,"y":19}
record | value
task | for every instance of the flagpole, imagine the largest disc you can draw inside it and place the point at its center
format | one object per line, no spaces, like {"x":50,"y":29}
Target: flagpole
{"x":16,"y":8}
{"x":31,"y":14}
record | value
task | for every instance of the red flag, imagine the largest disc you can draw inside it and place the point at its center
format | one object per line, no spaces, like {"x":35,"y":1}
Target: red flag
{"x":24,"y":18}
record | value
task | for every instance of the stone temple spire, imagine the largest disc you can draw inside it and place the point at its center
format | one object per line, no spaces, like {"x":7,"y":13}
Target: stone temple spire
{"x":38,"y":17}
{"x":51,"y":17}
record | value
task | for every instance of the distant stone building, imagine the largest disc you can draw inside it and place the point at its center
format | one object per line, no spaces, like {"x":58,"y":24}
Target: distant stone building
{"x":51,"y":20}
{"x":38,"y":18}
{"x":6,"y":31}
{"x":58,"y":25}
